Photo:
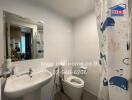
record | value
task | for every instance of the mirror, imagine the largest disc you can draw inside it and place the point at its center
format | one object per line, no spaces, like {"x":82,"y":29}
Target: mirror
{"x":23,"y":38}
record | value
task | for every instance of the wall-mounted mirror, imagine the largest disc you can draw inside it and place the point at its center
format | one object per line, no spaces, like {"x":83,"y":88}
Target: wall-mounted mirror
{"x":23,"y":38}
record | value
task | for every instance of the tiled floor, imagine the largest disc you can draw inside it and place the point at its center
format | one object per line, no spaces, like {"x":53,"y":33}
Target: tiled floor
{"x":86,"y":96}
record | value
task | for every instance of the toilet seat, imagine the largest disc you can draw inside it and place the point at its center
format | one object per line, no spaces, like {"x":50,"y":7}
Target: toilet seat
{"x":75,"y":81}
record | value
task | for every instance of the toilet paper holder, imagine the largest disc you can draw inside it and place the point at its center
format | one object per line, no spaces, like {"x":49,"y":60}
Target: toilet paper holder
{"x":83,"y":68}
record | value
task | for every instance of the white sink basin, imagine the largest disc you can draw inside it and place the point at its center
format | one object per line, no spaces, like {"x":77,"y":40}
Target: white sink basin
{"x":19,"y":86}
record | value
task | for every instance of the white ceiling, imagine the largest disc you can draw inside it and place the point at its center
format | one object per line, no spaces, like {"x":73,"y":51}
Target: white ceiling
{"x":69,"y":8}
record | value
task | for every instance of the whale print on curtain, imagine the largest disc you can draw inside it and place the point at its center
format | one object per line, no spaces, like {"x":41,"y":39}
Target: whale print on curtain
{"x":113,"y":29}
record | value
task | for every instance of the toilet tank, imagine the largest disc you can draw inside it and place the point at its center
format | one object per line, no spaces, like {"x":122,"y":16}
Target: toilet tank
{"x":65,"y":71}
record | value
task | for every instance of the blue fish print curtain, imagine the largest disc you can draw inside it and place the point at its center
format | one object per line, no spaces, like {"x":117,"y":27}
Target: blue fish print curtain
{"x":113,"y":29}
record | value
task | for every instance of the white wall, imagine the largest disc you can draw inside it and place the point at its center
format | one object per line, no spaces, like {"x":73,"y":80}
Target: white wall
{"x":1,"y":39}
{"x":86,"y":39}
{"x":86,"y":49}
{"x":57,"y":29}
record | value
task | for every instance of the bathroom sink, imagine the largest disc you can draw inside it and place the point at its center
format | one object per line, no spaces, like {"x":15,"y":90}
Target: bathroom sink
{"x":18,"y":86}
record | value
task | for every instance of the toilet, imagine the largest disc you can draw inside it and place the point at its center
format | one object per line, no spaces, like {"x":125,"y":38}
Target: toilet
{"x":73,"y":86}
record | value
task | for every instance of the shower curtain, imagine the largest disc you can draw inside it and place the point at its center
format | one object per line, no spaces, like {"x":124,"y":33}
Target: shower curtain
{"x":113,"y":29}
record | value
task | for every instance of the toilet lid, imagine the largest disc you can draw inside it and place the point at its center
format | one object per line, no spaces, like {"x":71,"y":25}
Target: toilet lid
{"x":75,"y":81}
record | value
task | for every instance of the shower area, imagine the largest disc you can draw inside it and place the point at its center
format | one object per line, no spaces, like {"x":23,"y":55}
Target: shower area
{"x":114,"y":30}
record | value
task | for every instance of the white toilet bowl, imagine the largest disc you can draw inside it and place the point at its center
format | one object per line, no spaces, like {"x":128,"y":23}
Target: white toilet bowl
{"x":73,"y":87}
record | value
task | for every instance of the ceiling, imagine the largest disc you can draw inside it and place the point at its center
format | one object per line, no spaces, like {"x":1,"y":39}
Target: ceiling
{"x":69,"y":8}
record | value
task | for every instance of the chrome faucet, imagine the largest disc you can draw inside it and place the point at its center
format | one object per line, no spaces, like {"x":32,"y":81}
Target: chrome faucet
{"x":27,"y":73}
{"x":30,"y":72}
{"x":12,"y":71}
